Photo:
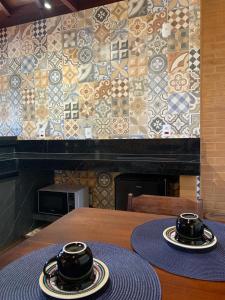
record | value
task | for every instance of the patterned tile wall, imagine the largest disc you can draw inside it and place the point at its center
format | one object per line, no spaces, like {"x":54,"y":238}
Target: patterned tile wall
{"x":109,"y":67}
{"x":101,"y":185}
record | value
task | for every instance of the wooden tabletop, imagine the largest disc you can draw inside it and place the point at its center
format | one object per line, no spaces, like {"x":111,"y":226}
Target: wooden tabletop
{"x":114,"y":227}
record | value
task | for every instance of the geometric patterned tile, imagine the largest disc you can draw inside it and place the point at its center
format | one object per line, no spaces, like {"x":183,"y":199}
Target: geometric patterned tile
{"x":177,"y":3}
{"x":178,"y":40}
{"x":178,"y":82}
{"x":179,"y":18}
{"x":194,"y":60}
{"x":178,"y":103}
{"x":120,"y":107}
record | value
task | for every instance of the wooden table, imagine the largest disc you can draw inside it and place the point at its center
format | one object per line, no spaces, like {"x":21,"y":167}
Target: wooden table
{"x":114,"y":227}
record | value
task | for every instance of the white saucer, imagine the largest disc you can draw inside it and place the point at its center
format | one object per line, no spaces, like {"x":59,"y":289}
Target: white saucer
{"x":170,"y":233}
{"x":49,"y":287}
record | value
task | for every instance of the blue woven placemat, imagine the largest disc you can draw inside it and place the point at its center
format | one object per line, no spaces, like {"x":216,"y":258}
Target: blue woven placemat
{"x":131,"y":277}
{"x":147,"y":240}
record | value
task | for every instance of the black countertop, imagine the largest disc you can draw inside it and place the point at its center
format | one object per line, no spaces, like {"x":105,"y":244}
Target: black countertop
{"x":166,"y":157}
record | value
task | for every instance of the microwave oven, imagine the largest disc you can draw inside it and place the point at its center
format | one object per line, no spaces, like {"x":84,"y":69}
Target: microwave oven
{"x":59,"y":199}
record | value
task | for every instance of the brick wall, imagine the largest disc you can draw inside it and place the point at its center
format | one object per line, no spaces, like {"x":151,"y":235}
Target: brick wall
{"x":213,"y":106}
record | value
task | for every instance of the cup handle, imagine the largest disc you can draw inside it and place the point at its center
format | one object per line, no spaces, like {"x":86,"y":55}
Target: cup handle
{"x":212,"y":234}
{"x":54,"y":258}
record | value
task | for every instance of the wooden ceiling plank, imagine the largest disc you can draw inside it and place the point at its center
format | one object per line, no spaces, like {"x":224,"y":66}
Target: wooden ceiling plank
{"x":5,"y":8}
{"x":70,"y":4}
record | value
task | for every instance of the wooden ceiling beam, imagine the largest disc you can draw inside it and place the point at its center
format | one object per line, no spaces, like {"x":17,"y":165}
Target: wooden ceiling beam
{"x":71,"y":4}
{"x":39,"y":4}
{"x":5,"y":8}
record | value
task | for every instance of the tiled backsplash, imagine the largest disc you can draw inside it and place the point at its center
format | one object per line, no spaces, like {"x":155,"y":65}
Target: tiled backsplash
{"x":109,"y":68}
{"x":100,"y":184}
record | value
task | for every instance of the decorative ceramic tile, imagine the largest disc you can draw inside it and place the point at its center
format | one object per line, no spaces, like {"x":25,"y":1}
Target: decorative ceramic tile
{"x":55,"y":94}
{"x":178,"y":103}
{"x":155,"y":6}
{"x":138,"y":27}
{"x":29,"y":112}
{"x":40,"y":28}
{"x":158,"y":105}
{"x":28,"y":96}
{"x":14,"y":49}
{"x":41,"y":78}
{"x":138,"y":86}
{"x":55,"y":60}
{"x":194,"y":83}
{"x":102,"y":52}
{"x":178,"y":41}
{"x":15,"y":81}
{"x":3,"y":36}
{"x":71,"y":129}
{"x":103,"y":128}
{"x":179,"y":18}
{"x":107,"y":67}
{"x":54,"y":42}
{"x":119,"y":13}
{"x":101,"y":15}
{"x":158,"y":84}
{"x":70,"y":75}
{"x":137,"y":126}
{"x":137,"y":8}
{"x":120,"y":107}
{"x":195,"y":125}
{"x":84,"y":37}
{"x":119,"y":45}
{"x":137,"y":47}
{"x":180,"y":124}
{"x":56,"y":129}
{"x":41,"y":112}
{"x":85,"y":18}
{"x":137,"y":66}
{"x":103,"y":89}
{"x":157,"y":63}
{"x":103,"y":71}
{"x":85,"y":55}
{"x":119,"y":68}
{"x":178,"y":62}
{"x":86,"y":72}
{"x":4,"y":66}
{"x":103,"y":108}
{"x":102,"y":34}
{"x":54,"y":25}
{"x":157,"y":45}
{"x":155,"y":126}
{"x":56,"y":111}
{"x":87,"y":108}
{"x":28,"y":64}
{"x":86,"y":91}
{"x":55,"y":76}
{"x":120,"y":88}
{"x":69,"y":22}
{"x":120,"y":126}
{"x":27,"y":81}
{"x":177,"y":3}
{"x":178,"y":82}
{"x":69,"y":39}
{"x":194,"y":60}
{"x":70,"y":56}
{"x":4,"y":83}
{"x":40,"y":47}
{"x":29,"y":130}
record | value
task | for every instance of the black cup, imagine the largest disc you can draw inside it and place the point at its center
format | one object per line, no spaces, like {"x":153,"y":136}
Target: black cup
{"x":190,"y":228}
{"x":74,"y":266}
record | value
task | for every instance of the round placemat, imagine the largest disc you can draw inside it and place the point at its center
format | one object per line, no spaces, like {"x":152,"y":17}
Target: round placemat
{"x":147,"y":240}
{"x":131,"y":277}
